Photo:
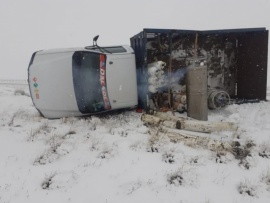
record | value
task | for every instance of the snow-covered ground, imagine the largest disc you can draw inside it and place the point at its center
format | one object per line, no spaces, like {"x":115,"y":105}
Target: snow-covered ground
{"x":114,"y":159}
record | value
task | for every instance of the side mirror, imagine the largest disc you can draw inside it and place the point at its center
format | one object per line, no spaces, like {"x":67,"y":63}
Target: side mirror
{"x":95,"y":40}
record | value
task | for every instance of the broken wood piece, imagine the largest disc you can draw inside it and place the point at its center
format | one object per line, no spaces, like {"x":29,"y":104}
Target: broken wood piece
{"x":190,"y":125}
{"x":151,"y":120}
{"x":193,"y":139}
{"x":206,"y":126}
{"x":165,"y":116}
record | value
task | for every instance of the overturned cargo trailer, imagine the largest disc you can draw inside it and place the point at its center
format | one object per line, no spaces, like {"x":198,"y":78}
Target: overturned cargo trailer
{"x":235,"y":61}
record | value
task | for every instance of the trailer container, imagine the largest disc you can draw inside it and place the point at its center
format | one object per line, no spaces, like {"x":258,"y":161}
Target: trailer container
{"x":236,"y":61}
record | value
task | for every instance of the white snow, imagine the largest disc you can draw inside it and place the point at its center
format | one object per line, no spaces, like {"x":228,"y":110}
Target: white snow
{"x":110,"y":159}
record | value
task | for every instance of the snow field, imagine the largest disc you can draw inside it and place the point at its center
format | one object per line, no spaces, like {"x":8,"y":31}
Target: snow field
{"x":113,"y":158}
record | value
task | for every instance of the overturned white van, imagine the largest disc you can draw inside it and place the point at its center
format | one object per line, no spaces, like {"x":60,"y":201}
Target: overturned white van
{"x":82,"y":81}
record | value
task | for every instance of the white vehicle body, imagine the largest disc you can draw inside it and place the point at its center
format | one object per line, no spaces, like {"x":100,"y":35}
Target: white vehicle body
{"x":82,"y":81}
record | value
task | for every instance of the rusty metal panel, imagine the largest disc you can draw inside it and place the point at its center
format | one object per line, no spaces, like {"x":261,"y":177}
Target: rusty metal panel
{"x":252,"y":65}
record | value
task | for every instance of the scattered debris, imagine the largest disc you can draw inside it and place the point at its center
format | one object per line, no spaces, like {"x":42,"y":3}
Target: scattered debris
{"x":246,"y":187}
{"x":47,"y":182}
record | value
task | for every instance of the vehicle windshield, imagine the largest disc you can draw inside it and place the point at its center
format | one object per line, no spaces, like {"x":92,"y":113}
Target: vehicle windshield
{"x":89,"y":79}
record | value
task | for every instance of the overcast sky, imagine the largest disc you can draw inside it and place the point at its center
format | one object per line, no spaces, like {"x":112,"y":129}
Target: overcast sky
{"x":31,"y":25}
